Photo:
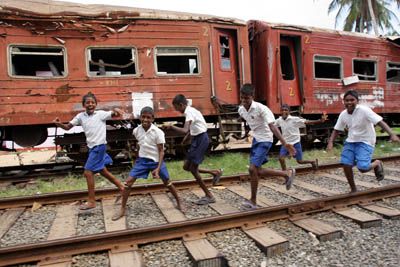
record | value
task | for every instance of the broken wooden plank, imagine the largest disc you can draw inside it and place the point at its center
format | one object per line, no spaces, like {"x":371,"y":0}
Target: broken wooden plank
{"x":109,"y":210}
{"x":270,"y":242}
{"x":8,"y":218}
{"x":363,"y":219}
{"x":282,"y":189}
{"x":167,"y":207}
{"x":219,"y":206}
{"x":386,"y":212}
{"x":203,"y":253}
{"x":317,"y":188}
{"x":131,"y":258}
{"x":245,"y":193}
{"x":64,"y":225}
{"x":323,"y":231}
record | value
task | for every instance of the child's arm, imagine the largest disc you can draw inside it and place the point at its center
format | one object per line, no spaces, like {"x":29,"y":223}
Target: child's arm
{"x":278,"y":134}
{"x":156,"y":171}
{"x":181,"y":130}
{"x":324,"y":117}
{"x":393,"y":136}
{"x":332,"y":138}
{"x":65,"y":126}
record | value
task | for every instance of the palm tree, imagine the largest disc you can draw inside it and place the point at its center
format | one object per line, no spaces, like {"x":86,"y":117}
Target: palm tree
{"x":364,"y":15}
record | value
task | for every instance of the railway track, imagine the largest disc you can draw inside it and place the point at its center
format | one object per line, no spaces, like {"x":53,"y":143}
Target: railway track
{"x":66,"y":233}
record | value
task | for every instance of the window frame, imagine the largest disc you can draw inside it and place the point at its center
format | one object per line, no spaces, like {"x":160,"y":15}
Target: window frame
{"x":365,"y":60}
{"x":387,"y":66}
{"x":9,"y":61}
{"x":328,"y":79}
{"x":159,"y":74}
{"x":87,"y":54}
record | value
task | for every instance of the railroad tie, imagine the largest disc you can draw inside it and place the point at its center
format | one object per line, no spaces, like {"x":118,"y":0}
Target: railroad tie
{"x":122,"y":255}
{"x":8,"y":218}
{"x":270,"y":242}
{"x":363,"y":219}
{"x":323,"y":231}
{"x":386,"y":212}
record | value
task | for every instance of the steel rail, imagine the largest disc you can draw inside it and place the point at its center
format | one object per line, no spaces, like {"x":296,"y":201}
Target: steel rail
{"x":67,"y":196}
{"x":132,"y":237}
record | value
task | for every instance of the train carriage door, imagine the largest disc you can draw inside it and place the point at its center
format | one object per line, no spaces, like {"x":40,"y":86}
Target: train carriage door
{"x":225,"y":65}
{"x":289,"y":81}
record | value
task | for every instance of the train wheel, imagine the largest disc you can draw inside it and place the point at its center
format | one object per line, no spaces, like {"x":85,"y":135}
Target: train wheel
{"x":27,"y":136}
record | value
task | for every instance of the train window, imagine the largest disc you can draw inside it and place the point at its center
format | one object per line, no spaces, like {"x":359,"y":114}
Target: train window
{"x":225,"y":53}
{"x":327,"y":67}
{"x":365,"y":70}
{"x":393,"y":72}
{"x":37,"y":61}
{"x":286,"y":63}
{"x":177,"y":60}
{"x":111,"y":61}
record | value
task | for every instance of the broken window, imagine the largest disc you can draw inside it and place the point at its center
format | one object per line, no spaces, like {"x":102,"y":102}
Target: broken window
{"x":225,"y":53}
{"x":177,"y":60}
{"x":37,"y":61}
{"x":393,"y":72}
{"x":327,"y":67}
{"x":112,"y":61}
{"x":286,"y":63}
{"x":365,"y":70}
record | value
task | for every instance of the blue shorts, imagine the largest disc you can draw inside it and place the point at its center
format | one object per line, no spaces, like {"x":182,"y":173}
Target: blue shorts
{"x":357,"y":153}
{"x":259,"y":152}
{"x":143,"y":166}
{"x":98,"y":159}
{"x":198,"y":148}
{"x":299,"y":152}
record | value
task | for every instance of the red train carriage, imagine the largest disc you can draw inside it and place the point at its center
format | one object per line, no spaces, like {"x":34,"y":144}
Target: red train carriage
{"x":53,"y":54}
{"x":310,"y":69}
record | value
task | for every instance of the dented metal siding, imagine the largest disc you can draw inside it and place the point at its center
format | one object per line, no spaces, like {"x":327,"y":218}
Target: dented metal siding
{"x":39,"y":100}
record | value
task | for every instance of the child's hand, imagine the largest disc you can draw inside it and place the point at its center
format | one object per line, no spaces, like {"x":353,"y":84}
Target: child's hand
{"x":291,"y":149}
{"x":394,"y":138}
{"x":324,"y":117}
{"x":156,"y":173}
{"x":56,"y":120}
{"x":118,"y":111}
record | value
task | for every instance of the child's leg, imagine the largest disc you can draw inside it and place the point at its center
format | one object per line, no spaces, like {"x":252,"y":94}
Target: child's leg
{"x":90,"y":184}
{"x":194,"y":169}
{"x":282,"y":162}
{"x":173,"y":191}
{"x":348,"y":171}
{"x":125,"y":195}
{"x":253,"y":171}
{"x":107,"y":174}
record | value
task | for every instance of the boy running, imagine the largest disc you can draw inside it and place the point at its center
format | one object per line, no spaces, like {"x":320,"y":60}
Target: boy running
{"x":151,"y":142}
{"x":261,"y":121}
{"x":290,"y":127}
{"x":93,"y":123}
{"x":360,"y":143}
{"x":195,"y":124}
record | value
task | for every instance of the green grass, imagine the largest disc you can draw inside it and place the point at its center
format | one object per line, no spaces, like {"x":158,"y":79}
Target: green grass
{"x":232,"y":163}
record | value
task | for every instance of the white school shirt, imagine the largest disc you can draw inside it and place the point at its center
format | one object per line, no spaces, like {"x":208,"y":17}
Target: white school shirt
{"x":360,"y":124}
{"x":258,"y":117}
{"x":291,"y":128}
{"x":94,"y":126}
{"x":198,"y":125}
{"x":148,"y":141}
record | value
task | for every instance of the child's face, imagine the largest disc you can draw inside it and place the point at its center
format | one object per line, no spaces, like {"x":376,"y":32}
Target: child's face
{"x":180,"y":107}
{"x":246,"y":100}
{"x":146,"y":119}
{"x":90,"y":105}
{"x":285,"y":113}
{"x":350,"y":103}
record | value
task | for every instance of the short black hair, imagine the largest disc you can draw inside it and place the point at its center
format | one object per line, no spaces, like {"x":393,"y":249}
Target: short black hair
{"x":88,"y":95}
{"x":352,"y":93}
{"x":147,"y":110}
{"x":285,"y":106}
{"x":179,"y":99}
{"x":247,"y":89}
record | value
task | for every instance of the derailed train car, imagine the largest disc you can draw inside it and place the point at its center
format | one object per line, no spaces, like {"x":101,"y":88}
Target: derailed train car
{"x":54,"y":53}
{"x":310,"y":69}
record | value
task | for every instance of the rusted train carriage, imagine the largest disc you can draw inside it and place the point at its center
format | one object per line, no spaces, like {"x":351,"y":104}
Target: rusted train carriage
{"x":310,"y":69}
{"x":53,"y":54}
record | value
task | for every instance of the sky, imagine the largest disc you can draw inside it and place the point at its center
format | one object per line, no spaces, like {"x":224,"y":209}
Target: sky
{"x":298,"y":12}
